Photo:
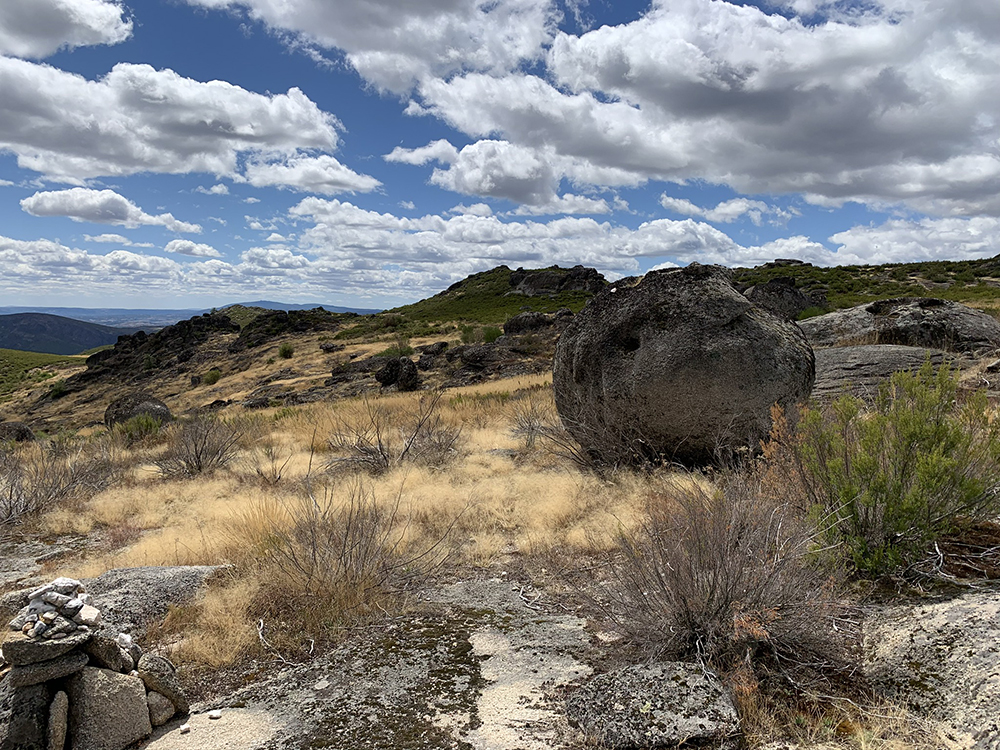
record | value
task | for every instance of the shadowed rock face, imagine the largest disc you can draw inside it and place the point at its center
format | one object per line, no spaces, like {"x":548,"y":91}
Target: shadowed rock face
{"x":907,"y":321}
{"x":136,"y":404}
{"x":678,"y":364}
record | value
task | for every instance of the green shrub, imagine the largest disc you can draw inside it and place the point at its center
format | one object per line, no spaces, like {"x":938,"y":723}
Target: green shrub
{"x":885,"y":481}
{"x":491,"y":334}
{"x":286,"y":351}
{"x":139,"y":429}
{"x":58,"y":389}
{"x":211,"y":377}
{"x":401,"y":348}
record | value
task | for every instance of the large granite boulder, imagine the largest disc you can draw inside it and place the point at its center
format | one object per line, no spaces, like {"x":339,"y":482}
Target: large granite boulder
{"x":677,"y":365}
{"x":107,"y":710}
{"x":907,"y":321}
{"x":655,"y":705}
{"x":941,"y":659}
{"x":133,"y":405}
{"x":527,"y":322}
{"x":24,"y":714}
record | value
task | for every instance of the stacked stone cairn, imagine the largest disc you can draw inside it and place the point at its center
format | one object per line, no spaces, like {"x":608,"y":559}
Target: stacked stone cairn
{"x":73,"y":682}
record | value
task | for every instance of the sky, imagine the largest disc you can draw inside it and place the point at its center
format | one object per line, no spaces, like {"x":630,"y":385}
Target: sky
{"x":369,"y":153}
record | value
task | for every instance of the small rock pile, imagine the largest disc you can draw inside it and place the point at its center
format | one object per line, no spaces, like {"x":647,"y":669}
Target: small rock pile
{"x":67,"y":680}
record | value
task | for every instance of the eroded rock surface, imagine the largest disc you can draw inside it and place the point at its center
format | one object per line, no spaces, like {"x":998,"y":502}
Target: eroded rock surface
{"x":907,"y":321}
{"x":943,"y":660}
{"x":656,"y":705}
{"x":860,"y":370}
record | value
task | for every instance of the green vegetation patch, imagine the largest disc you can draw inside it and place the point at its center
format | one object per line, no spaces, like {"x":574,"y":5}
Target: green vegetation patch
{"x":18,"y":369}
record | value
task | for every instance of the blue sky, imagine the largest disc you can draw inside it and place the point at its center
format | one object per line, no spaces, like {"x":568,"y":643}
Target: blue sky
{"x":175,"y":153}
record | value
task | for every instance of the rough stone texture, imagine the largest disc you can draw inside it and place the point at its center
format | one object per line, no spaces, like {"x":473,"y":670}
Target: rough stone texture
{"x":659,"y":705}
{"x":19,"y":432}
{"x":526,"y":322}
{"x":677,"y":364}
{"x":135,"y":404}
{"x":409,"y":378}
{"x":58,"y":722}
{"x":160,"y":708}
{"x":551,"y":281}
{"x":22,"y":650}
{"x":24,"y":715}
{"x":782,"y":297}
{"x":942,"y":659}
{"x":860,"y":370}
{"x":388,"y":374}
{"x":434,"y":350}
{"x":130,"y":598}
{"x":105,"y":652}
{"x":907,"y":321}
{"x":43,"y":671}
{"x":107,"y":710}
{"x":158,"y":674}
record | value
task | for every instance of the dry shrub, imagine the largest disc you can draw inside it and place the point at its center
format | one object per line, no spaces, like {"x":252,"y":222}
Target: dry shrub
{"x":202,"y":445}
{"x":38,"y":477}
{"x":377,"y":439}
{"x":718,"y":573}
{"x":327,"y":557}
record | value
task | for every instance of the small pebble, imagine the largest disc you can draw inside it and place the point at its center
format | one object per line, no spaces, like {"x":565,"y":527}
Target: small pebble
{"x":185,"y":728}
{"x":216,"y":714}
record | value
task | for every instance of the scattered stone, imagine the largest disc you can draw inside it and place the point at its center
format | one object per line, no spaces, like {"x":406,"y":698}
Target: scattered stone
{"x":185,"y":728}
{"x":659,"y":705}
{"x":907,"y":321}
{"x":23,"y":650}
{"x":136,"y":404}
{"x":36,"y":673}
{"x":216,"y":714}
{"x":679,"y":366}
{"x":158,"y":674}
{"x":89,"y":616}
{"x":58,"y":721}
{"x":108,"y":710}
{"x":160,"y":708}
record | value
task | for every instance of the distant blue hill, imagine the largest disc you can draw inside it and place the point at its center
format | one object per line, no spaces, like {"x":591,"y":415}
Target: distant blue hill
{"x":54,"y":334}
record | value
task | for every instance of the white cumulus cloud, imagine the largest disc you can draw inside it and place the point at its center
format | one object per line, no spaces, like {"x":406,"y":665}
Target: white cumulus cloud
{"x":309,"y":174}
{"x":99,"y":207}
{"x":39,"y":28}
{"x":194,"y":249}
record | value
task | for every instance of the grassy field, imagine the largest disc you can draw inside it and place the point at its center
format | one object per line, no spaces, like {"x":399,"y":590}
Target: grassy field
{"x":19,"y":368}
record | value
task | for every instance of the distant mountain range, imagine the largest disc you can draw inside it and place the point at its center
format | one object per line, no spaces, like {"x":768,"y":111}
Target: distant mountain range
{"x":54,"y":334}
{"x":150,"y":320}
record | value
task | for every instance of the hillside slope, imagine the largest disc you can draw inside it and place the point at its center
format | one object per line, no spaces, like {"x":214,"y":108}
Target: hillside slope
{"x":54,"y":334}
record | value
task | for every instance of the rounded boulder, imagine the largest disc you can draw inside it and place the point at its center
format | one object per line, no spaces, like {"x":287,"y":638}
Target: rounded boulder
{"x":133,"y":405}
{"x":677,"y":366}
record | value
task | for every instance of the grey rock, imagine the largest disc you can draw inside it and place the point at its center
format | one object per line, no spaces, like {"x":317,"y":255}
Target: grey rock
{"x":782,"y":297}
{"x":676,"y":365}
{"x":105,"y":652}
{"x":433,"y":350}
{"x":408,"y":378}
{"x":131,"y":598}
{"x":860,"y":370}
{"x":108,"y":710}
{"x":553,"y":280}
{"x":160,"y":708}
{"x":482,"y":355}
{"x":33,"y":674}
{"x":133,"y":405}
{"x":22,"y":650}
{"x":24,"y":714}
{"x":388,"y":373}
{"x":942,"y":660}
{"x":158,"y":674}
{"x":907,"y":321}
{"x":659,"y":705}
{"x":526,"y":322}
{"x":18,"y":432}
{"x":58,"y":721}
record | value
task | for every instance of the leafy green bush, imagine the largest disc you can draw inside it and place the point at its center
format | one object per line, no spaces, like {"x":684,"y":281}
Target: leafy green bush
{"x":211,"y":377}
{"x":137,"y":430}
{"x":58,"y":389}
{"x":885,"y":481}
{"x":491,"y":334}
{"x":286,"y":351}
{"x":401,"y":348}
